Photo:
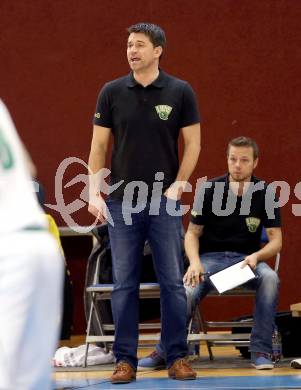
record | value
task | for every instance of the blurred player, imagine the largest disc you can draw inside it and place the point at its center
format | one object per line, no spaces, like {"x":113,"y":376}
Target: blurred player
{"x":31,"y":269}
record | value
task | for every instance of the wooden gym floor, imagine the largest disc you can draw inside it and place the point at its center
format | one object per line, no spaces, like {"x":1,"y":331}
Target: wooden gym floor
{"x":228,"y":372}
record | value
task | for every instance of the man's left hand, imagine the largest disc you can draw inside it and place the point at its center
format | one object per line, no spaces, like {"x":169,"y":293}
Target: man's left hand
{"x":250,"y":260}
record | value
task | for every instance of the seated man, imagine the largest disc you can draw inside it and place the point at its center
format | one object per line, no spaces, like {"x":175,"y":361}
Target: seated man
{"x":225,"y":228}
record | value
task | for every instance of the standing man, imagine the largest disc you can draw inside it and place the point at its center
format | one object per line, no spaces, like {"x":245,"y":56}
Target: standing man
{"x":31,"y":272}
{"x":217,"y":239}
{"x":145,"y":111}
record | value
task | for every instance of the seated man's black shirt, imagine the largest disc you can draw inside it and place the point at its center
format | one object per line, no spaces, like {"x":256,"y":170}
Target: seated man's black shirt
{"x":240,"y":230}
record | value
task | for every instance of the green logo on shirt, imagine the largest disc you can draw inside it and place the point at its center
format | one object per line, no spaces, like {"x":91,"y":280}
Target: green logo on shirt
{"x":163,"y":111}
{"x":252,"y":224}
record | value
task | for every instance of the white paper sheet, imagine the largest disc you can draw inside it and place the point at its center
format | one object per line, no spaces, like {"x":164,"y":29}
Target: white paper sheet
{"x":231,"y":277}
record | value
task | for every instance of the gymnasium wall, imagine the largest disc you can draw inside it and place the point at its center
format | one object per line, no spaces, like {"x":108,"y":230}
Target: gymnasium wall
{"x":242,"y":58}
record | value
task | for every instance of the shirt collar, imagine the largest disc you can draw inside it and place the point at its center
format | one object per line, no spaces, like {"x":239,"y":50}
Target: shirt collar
{"x":253,"y":179}
{"x":160,"y":81}
{"x":227,"y":183}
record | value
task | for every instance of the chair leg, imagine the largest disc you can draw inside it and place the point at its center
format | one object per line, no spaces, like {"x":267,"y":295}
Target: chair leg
{"x":89,"y":329}
{"x":192,"y":329}
{"x":204,"y":329}
{"x":93,"y":310}
{"x":99,"y":323}
{"x":86,"y":355}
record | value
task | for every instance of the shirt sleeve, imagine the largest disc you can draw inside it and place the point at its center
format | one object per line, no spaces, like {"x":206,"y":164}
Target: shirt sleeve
{"x":190,"y":111}
{"x":103,"y":112}
{"x":200,"y":206}
{"x":197,"y":219}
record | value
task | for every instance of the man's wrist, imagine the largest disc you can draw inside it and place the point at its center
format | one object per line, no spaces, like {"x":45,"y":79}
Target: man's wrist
{"x":194,"y":261}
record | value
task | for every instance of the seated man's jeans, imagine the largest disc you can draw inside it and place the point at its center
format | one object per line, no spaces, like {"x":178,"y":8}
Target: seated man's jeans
{"x":266,"y":285}
{"x":163,"y":231}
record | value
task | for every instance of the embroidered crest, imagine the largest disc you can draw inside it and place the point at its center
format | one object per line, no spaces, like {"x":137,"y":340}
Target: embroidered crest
{"x":97,"y":115}
{"x":252,"y":224}
{"x":163,"y":111}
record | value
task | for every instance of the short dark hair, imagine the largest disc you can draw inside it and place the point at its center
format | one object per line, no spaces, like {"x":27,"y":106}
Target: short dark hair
{"x":154,"y":32}
{"x":244,"y":141}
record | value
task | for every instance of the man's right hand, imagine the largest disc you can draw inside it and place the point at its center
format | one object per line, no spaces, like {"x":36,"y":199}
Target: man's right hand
{"x":194,"y":274}
{"x":98,"y":208}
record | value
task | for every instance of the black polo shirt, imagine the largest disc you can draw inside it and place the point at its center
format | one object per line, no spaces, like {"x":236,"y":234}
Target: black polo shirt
{"x":240,"y":231}
{"x":145,"y":123}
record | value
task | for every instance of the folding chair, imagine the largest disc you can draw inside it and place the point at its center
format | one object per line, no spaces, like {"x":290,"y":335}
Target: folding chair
{"x":146,"y":291}
{"x":236,"y":339}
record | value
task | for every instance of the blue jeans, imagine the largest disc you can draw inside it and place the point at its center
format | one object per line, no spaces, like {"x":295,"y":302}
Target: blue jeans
{"x":266,"y":285}
{"x":127,"y":242}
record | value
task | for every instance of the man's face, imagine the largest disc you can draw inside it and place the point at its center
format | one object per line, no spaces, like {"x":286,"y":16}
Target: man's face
{"x":141,"y":53}
{"x":241,"y":163}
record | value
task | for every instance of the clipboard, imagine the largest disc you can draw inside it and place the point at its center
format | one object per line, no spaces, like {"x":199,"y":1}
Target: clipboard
{"x":232,"y":277}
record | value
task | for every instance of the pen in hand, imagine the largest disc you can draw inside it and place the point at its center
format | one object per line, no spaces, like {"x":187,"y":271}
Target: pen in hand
{"x":204,"y":273}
